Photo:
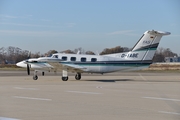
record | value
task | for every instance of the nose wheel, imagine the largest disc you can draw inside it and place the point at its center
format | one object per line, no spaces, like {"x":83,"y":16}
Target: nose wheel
{"x":35,"y":77}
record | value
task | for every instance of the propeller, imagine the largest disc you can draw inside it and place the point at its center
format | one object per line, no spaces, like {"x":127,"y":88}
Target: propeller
{"x":28,"y":65}
{"x":28,"y":69}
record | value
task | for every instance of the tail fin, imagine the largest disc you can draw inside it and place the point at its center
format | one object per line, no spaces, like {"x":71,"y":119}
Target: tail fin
{"x":148,"y":44}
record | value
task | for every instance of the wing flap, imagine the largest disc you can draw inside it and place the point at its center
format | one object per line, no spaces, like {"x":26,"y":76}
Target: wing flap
{"x":75,"y":68}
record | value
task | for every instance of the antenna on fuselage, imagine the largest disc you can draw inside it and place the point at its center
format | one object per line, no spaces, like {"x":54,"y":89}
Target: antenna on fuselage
{"x":97,"y":53}
{"x":78,"y":52}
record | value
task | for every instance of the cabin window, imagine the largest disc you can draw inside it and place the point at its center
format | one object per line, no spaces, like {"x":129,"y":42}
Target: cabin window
{"x":93,"y":59}
{"x":83,"y":59}
{"x":73,"y":58}
{"x":64,"y":58}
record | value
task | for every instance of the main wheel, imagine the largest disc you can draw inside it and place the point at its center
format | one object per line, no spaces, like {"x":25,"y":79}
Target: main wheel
{"x":64,"y":78}
{"x":35,"y":77}
{"x":78,"y":76}
{"x":42,"y":73}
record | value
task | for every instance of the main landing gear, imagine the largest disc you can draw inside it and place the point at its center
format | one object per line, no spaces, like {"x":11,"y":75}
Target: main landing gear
{"x":65,"y":75}
{"x":64,"y":78}
{"x":35,"y":77}
{"x":77,"y":77}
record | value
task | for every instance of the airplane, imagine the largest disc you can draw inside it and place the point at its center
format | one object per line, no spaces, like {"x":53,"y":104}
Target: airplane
{"x":139,"y":57}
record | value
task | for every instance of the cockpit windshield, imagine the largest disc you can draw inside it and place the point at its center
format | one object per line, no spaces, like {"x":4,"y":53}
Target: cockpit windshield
{"x":55,"y":56}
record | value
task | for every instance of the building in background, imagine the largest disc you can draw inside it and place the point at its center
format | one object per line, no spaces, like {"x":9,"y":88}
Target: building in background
{"x":172,"y":59}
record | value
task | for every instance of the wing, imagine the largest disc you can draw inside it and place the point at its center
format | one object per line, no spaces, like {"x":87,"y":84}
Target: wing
{"x":70,"y":67}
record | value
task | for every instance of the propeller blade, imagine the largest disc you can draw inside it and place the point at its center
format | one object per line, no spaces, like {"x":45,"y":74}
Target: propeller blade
{"x":28,"y":69}
{"x":29,"y":55}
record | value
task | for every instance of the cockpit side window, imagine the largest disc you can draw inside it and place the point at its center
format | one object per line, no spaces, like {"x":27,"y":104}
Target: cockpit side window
{"x":64,"y":58}
{"x":93,"y":59}
{"x":73,"y":58}
{"x":55,"y":56}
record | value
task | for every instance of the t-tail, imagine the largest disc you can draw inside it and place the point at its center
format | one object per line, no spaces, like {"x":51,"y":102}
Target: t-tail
{"x":147,"y":45}
{"x":143,"y":51}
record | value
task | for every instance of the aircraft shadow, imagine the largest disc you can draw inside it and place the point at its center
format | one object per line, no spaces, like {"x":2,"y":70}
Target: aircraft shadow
{"x":113,"y":80}
{"x":130,"y":80}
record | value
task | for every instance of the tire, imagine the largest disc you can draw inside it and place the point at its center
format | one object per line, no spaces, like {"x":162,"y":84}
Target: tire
{"x":78,"y":76}
{"x":64,"y":78}
{"x":35,"y":77}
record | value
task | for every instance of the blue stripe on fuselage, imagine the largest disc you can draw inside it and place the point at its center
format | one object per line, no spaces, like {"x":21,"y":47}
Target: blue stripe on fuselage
{"x":111,"y":63}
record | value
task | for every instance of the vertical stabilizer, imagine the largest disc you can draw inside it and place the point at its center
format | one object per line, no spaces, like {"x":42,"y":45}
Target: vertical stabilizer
{"x":148,"y":44}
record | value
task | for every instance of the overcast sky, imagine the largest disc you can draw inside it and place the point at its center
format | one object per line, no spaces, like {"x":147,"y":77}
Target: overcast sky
{"x":43,"y":25}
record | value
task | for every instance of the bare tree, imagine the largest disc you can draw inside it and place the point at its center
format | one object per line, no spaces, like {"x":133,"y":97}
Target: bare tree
{"x":117,"y":49}
{"x":90,"y":53}
{"x":36,"y":55}
{"x":126,"y":49}
{"x":12,"y":55}
{"x":3,"y":55}
{"x":161,"y":53}
{"x":68,"y":52}
{"x":15,"y":54}
{"x":80,"y":49}
{"x":50,"y":52}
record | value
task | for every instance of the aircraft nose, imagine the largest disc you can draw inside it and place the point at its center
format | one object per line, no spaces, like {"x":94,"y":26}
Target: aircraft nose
{"x":18,"y":64}
{"x":21,"y":64}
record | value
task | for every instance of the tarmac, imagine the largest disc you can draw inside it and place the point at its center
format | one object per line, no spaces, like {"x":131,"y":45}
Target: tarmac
{"x":114,"y":96}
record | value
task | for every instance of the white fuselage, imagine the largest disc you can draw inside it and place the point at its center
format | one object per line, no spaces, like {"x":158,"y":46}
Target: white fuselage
{"x":92,"y":63}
